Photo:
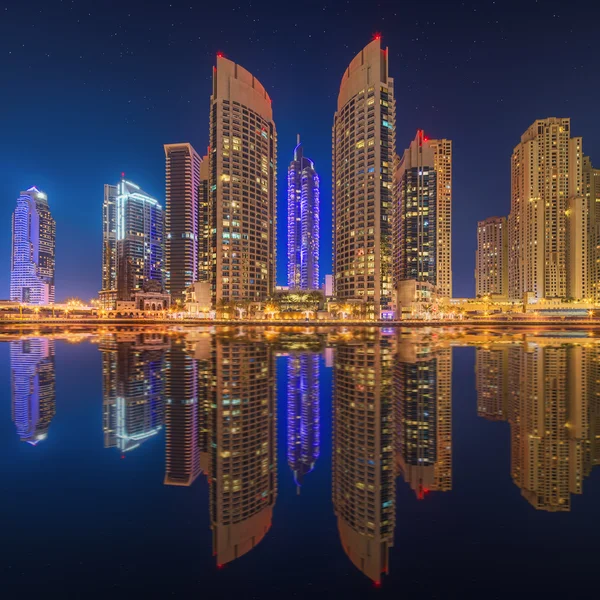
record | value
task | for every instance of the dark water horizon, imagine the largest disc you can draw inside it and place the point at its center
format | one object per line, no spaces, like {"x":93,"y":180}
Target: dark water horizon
{"x":276,"y":462}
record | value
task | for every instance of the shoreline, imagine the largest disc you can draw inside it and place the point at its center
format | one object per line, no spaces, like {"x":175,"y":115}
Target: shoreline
{"x":502,"y":324}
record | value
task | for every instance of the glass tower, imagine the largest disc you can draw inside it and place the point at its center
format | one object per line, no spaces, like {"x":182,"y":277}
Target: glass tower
{"x":415,"y":223}
{"x":133,"y":241}
{"x":303,"y":222}
{"x":33,"y":243}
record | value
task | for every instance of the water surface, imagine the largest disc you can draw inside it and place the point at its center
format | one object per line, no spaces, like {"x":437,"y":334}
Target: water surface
{"x":295,"y":462}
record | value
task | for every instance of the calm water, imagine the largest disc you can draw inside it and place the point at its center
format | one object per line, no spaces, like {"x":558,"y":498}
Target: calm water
{"x":276,"y":463}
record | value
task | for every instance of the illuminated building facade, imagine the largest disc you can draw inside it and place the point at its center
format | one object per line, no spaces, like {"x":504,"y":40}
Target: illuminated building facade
{"x":243,"y":430}
{"x":183,"y":414}
{"x":33,"y":387}
{"x":242,"y":186}
{"x":442,"y":164}
{"x":303,"y":223}
{"x":491,"y":258}
{"x":546,"y":183}
{"x":423,"y":393}
{"x":364,"y":140}
{"x":422,"y":216}
{"x":33,"y":244}
{"x":303,"y":433}
{"x":363,"y":486}
{"x":185,"y":221}
{"x":133,"y":242}
{"x":133,"y":388}
{"x":415,"y":214}
{"x":591,"y":193}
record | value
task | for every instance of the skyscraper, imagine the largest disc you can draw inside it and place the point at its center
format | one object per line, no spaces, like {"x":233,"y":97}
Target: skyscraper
{"x":133,"y":242}
{"x":242,"y":186}
{"x":422,"y":216}
{"x":363,"y":486}
{"x":303,"y":222}
{"x":415,"y":214}
{"x":364,"y":139}
{"x":303,"y":434}
{"x":546,"y":181}
{"x":491,"y":258}
{"x":591,"y":193}
{"x":184,"y":222}
{"x":442,"y":164}
{"x":33,"y":387}
{"x":33,"y":244}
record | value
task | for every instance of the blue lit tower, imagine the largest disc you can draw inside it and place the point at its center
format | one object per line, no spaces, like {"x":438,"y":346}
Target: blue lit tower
{"x":303,"y":437}
{"x":33,"y":243}
{"x":33,"y":387}
{"x":303,"y":223}
{"x":133,"y":241}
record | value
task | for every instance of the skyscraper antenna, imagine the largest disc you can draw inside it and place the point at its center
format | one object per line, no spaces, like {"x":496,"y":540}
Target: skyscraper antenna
{"x":298,"y":139}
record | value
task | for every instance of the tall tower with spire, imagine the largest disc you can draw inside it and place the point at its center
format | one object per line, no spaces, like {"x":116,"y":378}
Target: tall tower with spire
{"x":303,"y":222}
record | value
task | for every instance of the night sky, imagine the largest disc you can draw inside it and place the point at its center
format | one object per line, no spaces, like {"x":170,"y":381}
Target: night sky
{"x":91,"y":89}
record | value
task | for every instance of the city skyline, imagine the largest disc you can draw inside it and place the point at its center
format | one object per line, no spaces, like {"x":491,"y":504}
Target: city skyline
{"x":136,"y":129}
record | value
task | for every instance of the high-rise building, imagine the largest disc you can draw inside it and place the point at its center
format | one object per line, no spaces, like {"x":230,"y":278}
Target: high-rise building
{"x":303,"y":426}
{"x":422,"y":215}
{"x":442,"y":164}
{"x":185,"y":224}
{"x":133,"y":242}
{"x":242,"y":186}
{"x":423,"y":398}
{"x":243,"y":438}
{"x":546,"y":176}
{"x":133,"y":387}
{"x":33,"y":244}
{"x":591,"y":193}
{"x":491,"y":258}
{"x":363,"y":487}
{"x":415,"y":214}
{"x":364,"y":140}
{"x":303,"y":222}
{"x":33,"y":387}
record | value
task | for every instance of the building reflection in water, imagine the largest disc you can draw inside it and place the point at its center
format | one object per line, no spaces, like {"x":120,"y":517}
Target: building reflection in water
{"x":133,"y":382}
{"x":243,"y":455}
{"x":303,"y":434}
{"x":216,"y":396}
{"x":33,"y":387}
{"x":363,"y":450}
{"x":182,"y":415}
{"x":549,"y":391}
{"x":423,"y":399}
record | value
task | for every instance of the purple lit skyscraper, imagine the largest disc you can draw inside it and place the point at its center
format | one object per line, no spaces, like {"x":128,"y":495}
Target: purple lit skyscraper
{"x":33,"y":243}
{"x":303,"y":223}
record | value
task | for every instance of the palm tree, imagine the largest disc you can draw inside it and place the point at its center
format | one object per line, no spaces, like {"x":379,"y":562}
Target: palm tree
{"x":223,"y":307}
